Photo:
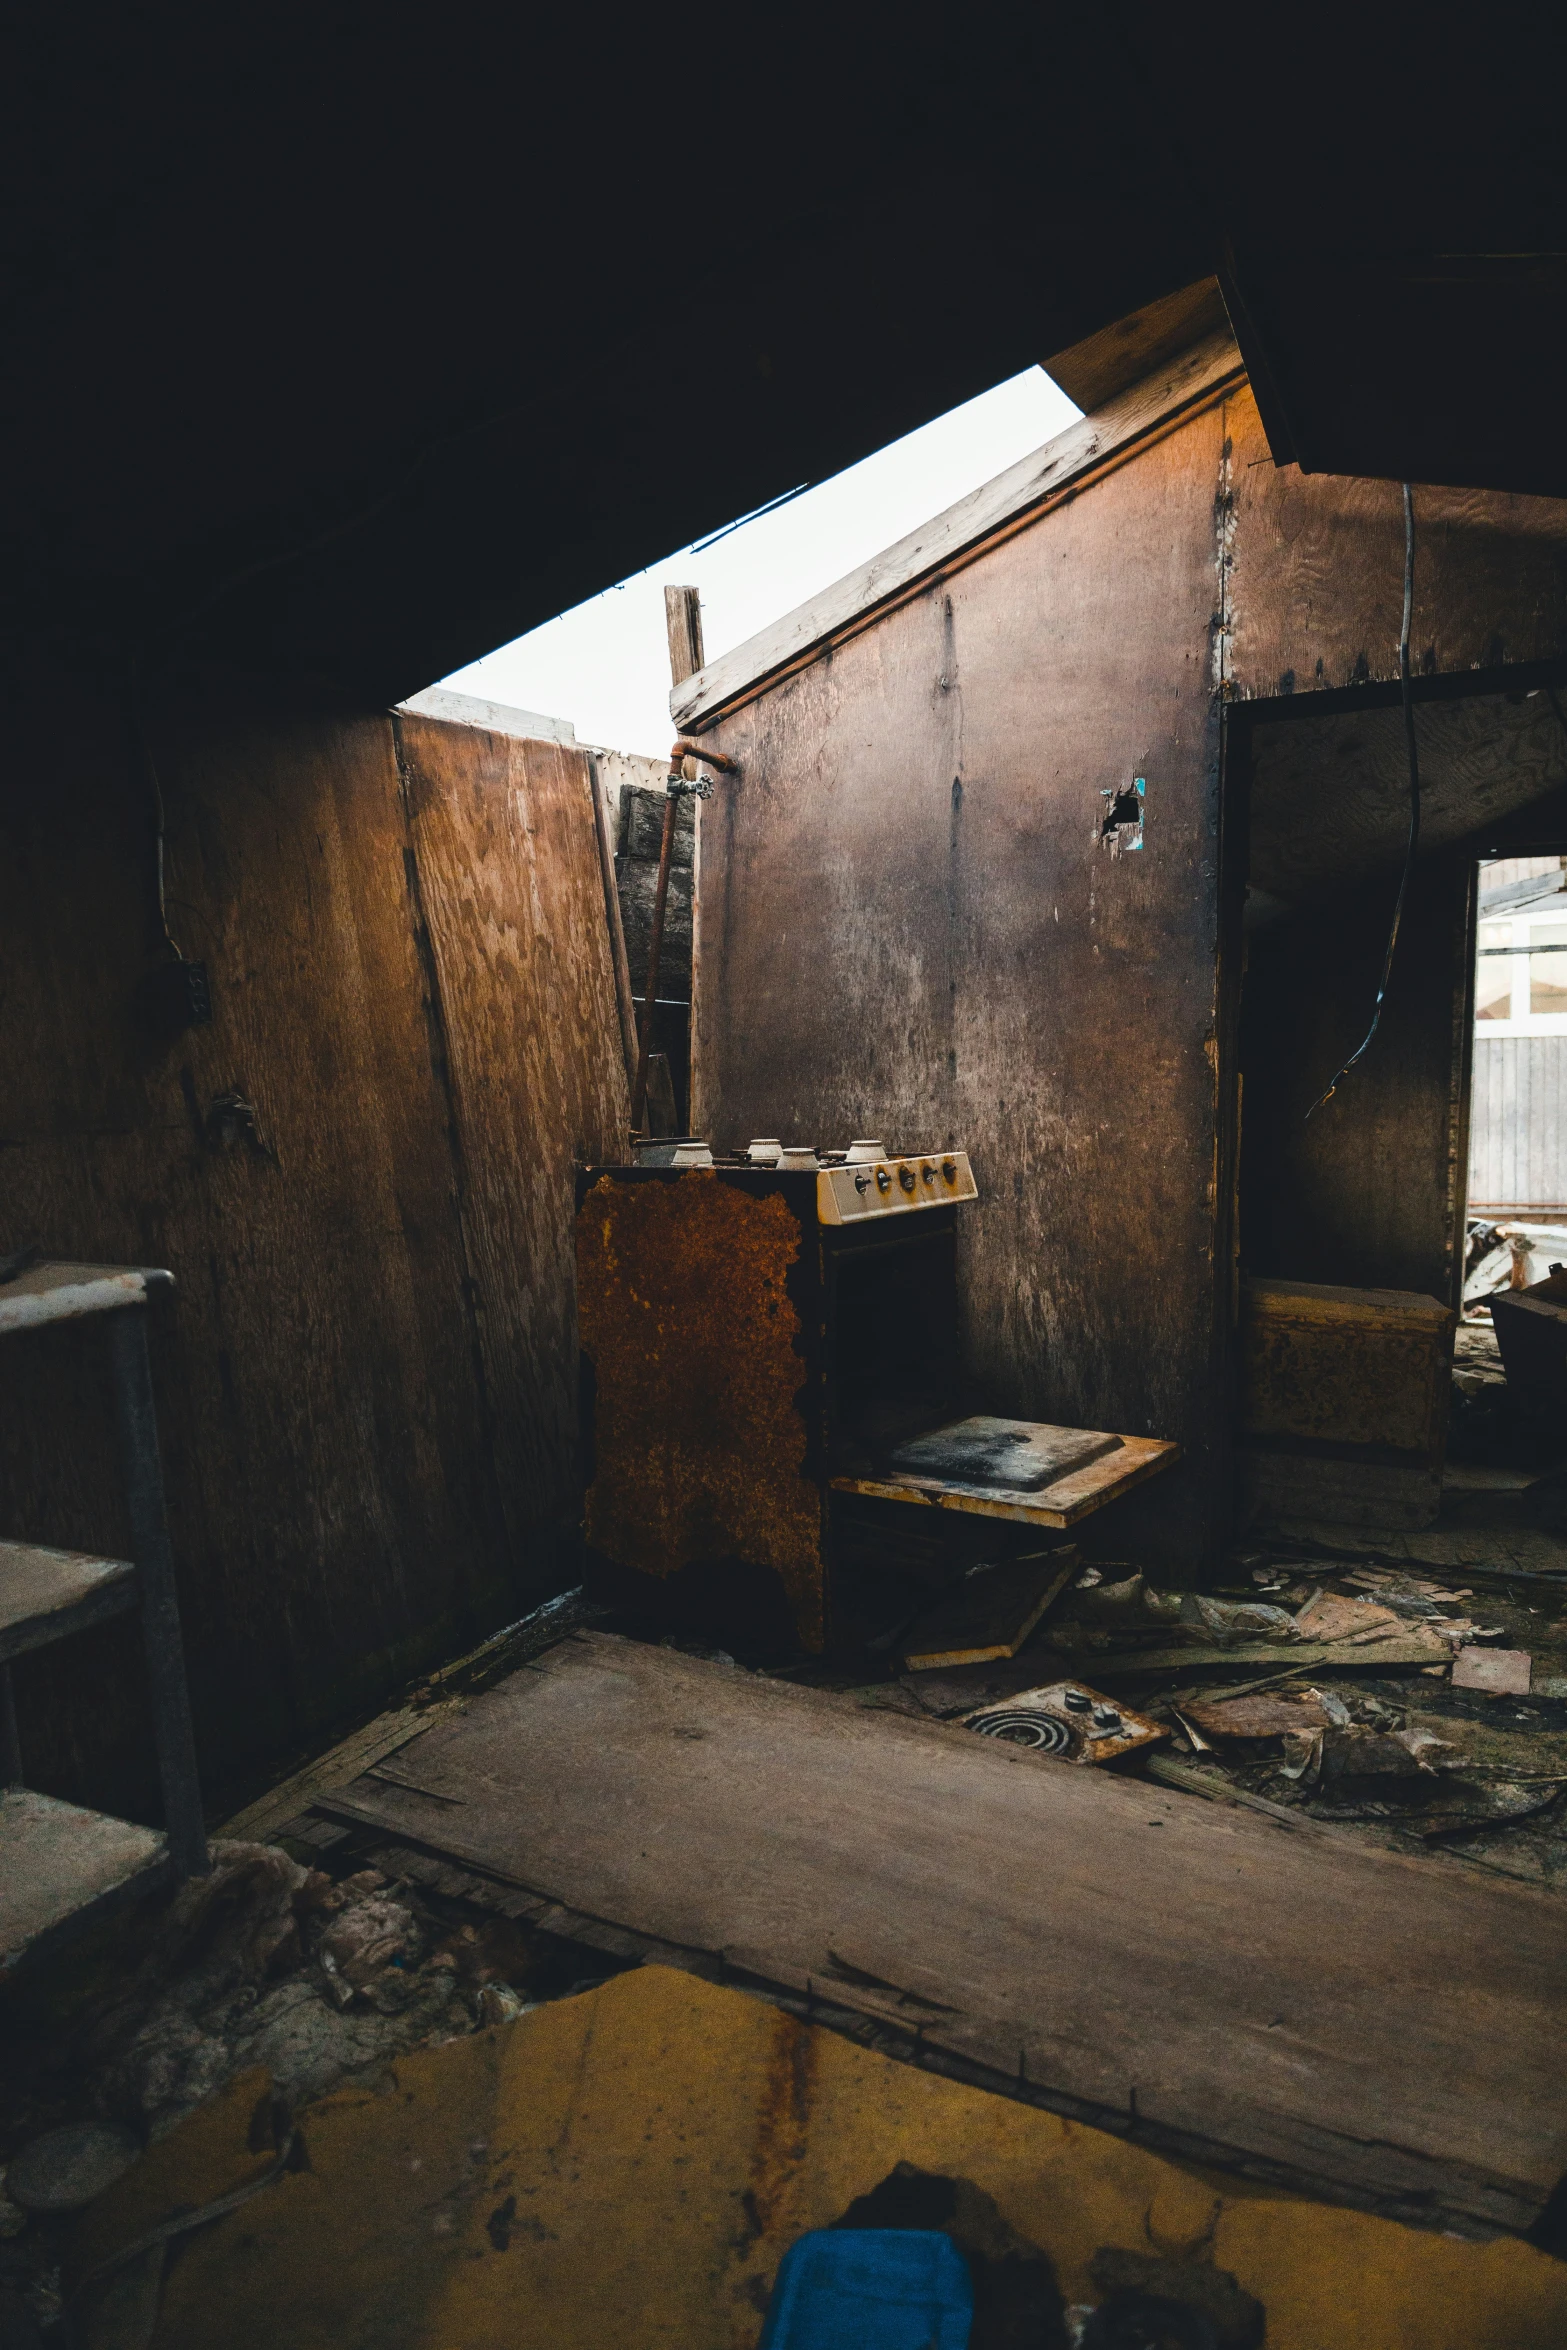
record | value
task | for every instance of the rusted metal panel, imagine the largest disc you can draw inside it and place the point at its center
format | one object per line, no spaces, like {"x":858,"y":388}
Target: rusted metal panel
{"x":1316,"y":576}
{"x":700,"y":1304}
{"x":911,"y":926}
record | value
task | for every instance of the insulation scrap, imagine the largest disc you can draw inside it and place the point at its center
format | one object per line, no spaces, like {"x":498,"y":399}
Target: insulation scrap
{"x":1225,"y":1622}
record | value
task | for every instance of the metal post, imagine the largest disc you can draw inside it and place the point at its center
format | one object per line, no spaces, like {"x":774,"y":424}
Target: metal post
{"x":160,"y":1615}
{"x":10,"y":1738}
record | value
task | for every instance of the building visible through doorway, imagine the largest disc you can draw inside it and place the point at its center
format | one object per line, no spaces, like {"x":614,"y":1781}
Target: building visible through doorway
{"x":1517,"y":1135}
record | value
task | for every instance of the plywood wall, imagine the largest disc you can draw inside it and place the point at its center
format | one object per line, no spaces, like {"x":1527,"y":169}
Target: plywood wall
{"x":1315,"y":579}
{"x":367,"y":1376}
{"x":909,"y":927}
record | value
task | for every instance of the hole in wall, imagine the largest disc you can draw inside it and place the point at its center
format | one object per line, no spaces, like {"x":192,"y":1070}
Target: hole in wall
{"x":1123,"y":818}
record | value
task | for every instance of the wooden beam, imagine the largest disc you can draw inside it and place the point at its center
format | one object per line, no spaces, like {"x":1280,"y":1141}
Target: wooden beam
{"x":1106,"y":364}
{"x":624,"y":1002}
{"x":683,"y":619}
{"x":1015,"y":498}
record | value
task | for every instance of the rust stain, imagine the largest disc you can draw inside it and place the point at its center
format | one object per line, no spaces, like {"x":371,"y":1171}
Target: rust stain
{"x":696,"y":1345}
{"x":783,"y":2120}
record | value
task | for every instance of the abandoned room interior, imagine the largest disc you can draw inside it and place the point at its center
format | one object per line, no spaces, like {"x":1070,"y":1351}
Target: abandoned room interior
{"x":784,"y":1542}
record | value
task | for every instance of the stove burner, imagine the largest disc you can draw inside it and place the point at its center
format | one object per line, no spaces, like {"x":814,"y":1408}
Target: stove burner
{"x":1024,"y":1726}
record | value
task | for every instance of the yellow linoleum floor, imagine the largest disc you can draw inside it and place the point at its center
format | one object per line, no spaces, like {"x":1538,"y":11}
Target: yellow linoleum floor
{"x":627,"y":2168}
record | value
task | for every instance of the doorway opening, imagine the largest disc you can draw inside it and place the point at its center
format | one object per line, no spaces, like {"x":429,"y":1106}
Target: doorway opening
{"x":1357,"y":1246}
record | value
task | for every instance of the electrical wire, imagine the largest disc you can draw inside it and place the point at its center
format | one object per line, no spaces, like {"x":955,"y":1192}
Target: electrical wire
{"x":1414,"y":801}
{"x":164,"y":937}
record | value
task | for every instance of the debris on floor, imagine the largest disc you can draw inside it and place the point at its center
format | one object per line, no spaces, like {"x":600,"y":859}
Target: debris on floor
{"x":1326,"y":1680}
{"x":1531,"y":1331}
{"x":1501,"y":1672}
{"x":267,"y":1964}
{"x":1322,"y":1685}
{"x":1497,"y":1422}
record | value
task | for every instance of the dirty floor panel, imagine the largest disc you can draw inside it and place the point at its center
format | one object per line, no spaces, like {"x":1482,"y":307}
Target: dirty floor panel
{"x":1102,"y":1938}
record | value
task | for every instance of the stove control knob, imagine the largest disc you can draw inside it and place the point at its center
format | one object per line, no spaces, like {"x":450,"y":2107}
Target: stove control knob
{"x":883,"y":1180}
{"x":862,"y":1183}
{"x":1106,"y":1718}
{"x":928,"y":1171}
{"x":949,"y":1168}
{"x":906,"y":1178}
{"x":1075,"y":1701}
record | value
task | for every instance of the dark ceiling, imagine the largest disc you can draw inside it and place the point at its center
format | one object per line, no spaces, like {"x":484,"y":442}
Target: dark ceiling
{"x":349,"y":342}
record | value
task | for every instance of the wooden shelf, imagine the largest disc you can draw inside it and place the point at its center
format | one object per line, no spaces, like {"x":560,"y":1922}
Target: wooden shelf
{"x":1062,"y":1503}
{"x":63,"y":1293}
{"x":59,"y":1865}
{"x":47,"y":1594}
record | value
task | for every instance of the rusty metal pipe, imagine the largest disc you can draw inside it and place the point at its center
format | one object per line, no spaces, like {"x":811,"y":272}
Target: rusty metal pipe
{"x":719,"y":759}
{"x":655,"y":949}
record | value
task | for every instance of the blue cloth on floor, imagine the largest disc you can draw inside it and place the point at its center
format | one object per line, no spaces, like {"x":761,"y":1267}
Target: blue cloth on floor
{"x":870,"y":2289}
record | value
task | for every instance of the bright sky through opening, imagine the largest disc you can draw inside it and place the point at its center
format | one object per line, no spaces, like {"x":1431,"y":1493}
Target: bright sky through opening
{"x":605,"y":665}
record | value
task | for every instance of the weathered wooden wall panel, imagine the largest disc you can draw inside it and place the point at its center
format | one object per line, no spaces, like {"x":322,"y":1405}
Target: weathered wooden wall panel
{"x":1316,"y":581}
{"x":348,"y":1493}
{"x":1518,"y":1124}
{"x":510,"y":888}
{"x":909,"y":927}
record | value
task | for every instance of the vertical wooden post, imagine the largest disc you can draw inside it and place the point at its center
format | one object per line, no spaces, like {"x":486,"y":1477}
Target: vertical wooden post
{"x":683,"y":620}
{"x":617,"y":932}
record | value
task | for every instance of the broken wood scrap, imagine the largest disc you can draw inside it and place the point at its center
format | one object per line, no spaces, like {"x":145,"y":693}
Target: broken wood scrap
{"x":1414,"y":1645}
{"x":1262,"y":1716}
{"x":260,"y":1821}
{"x":1328,"y":1617}
{"x":991,"y":1613}
{"x":1192,"y":1780}
{"x":1496,"y":1672}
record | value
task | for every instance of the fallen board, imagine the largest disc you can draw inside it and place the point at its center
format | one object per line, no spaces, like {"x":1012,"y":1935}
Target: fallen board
{"x":1384,"y":2028}
{"x":1413,"y":1646}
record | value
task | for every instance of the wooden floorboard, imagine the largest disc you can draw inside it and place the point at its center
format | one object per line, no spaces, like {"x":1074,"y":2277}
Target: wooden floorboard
{"x":1386,"y":2028}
